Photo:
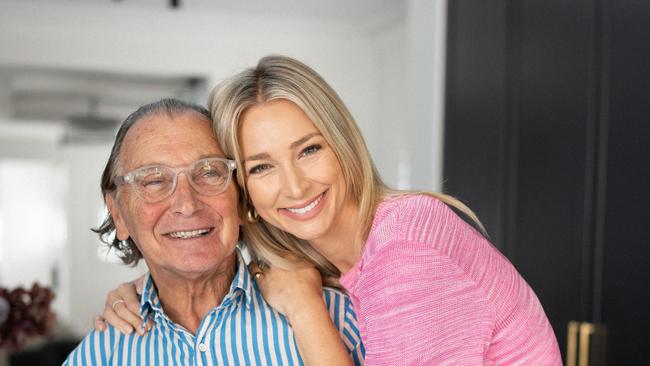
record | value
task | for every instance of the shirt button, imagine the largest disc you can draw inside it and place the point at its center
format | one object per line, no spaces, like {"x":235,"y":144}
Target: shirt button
{"x":203,"y":347}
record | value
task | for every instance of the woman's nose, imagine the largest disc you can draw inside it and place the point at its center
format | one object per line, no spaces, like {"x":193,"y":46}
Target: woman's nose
{"x":295,"y":183}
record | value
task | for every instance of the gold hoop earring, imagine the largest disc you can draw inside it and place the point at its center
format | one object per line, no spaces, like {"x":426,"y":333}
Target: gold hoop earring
{"x":252,"y":216}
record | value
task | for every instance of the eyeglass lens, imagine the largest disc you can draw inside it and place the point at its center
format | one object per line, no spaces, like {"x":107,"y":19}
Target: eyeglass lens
{"x":208,"y":176}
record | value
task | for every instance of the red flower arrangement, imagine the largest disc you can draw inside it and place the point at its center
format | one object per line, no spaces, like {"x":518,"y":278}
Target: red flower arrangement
{"x":24,"y":314}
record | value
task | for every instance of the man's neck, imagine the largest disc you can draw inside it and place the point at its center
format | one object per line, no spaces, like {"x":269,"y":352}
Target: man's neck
{"x":187,"y":299}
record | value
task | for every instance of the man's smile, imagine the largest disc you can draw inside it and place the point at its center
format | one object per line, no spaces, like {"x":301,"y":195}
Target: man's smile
{"x":188,"y":234}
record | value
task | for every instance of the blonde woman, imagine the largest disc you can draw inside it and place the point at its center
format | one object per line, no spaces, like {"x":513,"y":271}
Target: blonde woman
{"x":427,"y":287}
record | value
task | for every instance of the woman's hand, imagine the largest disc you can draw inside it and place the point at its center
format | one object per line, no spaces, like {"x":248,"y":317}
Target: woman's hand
{"x":290,"y":292}
{"x":122,"y":309}
{"x":298,"y":295}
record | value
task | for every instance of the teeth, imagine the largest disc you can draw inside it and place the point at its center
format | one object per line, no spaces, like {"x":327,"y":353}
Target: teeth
{"x":309,"y":207}
{"x":188,"y":234}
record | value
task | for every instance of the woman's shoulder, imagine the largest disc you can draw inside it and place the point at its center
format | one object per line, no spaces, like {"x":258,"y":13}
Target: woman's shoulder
{"x":410,"y":200}
{"x":337,"y":300}
{"x":405,"y":218}
{"x":409,"y":211}
{"x":420,"y":221}
{"x":396,"y":207}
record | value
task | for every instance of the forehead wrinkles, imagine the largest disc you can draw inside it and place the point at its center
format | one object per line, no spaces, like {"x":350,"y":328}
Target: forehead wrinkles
{"x":157,"y":135}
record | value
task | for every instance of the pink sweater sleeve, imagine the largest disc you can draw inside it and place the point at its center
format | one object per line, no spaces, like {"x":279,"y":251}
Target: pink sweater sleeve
{"x":430,"y":290}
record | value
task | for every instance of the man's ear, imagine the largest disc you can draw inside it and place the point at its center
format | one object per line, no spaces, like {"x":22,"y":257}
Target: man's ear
{"x":121,"y":232}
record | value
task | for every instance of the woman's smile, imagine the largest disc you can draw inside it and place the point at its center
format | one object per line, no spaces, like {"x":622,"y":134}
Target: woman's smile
{"x":306,"y":211}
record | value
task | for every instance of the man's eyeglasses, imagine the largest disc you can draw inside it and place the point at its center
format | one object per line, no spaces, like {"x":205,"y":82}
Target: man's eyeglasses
{"x":154,"y":183}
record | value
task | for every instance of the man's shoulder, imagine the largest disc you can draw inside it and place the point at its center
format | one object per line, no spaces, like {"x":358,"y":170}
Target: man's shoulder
{"x":340,"y":307}
{"x":335,"y":296}
{"x":97,"y":347}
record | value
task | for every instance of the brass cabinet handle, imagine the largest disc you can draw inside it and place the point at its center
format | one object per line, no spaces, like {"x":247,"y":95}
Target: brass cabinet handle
{"x":586,"y":329}
{"x":578,"y":342}
{"x":572,"y":343}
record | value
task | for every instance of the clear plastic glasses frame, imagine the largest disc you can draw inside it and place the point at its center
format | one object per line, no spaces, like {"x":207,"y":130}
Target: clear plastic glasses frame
{"x":154,"y":183}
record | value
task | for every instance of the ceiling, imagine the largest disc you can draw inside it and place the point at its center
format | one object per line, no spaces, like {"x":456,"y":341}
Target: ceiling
{"x":60,"y":95}
{"x":56,"y":95}
{"x":341,"y":10}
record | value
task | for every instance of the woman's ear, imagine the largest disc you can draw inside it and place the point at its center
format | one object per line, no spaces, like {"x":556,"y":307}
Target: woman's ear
{"x":121,"y":232}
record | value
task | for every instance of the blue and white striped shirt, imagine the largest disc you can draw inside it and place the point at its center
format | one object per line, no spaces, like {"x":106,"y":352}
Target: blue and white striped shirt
{"x":243,"y":330}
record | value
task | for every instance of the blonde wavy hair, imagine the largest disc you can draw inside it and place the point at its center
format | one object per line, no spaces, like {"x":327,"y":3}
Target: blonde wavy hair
{"x":281,"y":77}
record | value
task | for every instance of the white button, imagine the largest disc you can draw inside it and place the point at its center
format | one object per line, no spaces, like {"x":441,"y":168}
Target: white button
{"x":203,"y":347}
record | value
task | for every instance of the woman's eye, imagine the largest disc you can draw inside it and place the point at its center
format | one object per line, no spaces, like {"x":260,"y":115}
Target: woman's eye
{"x":260,"y":168}
{"x":311,"y":149}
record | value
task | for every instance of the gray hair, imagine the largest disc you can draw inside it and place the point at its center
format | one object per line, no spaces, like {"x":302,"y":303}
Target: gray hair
{"x":129,"y":252}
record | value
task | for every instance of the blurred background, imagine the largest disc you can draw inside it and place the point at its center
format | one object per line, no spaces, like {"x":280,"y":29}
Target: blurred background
{"x":535,"y":113}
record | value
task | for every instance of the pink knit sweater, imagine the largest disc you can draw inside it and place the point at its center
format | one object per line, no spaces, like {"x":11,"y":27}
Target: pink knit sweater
{"x":430,"y":290}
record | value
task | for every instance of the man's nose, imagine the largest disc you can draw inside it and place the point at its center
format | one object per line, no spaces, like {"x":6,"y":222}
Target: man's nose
{"x":184,"y":197}
{"x":295,"y":183}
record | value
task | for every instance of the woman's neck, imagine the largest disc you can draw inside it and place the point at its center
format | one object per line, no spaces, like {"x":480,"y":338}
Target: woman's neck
{"x":339,"y":245}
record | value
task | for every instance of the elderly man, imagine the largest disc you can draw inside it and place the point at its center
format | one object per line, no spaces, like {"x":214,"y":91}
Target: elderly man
{"x":172,"y":201}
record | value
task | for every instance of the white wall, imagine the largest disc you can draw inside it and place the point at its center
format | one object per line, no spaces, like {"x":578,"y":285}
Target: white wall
{"x":88,"y":278}
{"x":405,"y":134}
{"x":50,"y":199}
{"x":426,"y":35}
{"x":386,"y":72}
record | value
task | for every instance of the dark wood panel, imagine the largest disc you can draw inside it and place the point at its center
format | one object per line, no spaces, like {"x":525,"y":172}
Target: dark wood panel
{"x":626,"y":257}
{"x":555,"y":158}
{"x":547,"y":138}
{"x":475,"y":78}
{"x":517,"y":106}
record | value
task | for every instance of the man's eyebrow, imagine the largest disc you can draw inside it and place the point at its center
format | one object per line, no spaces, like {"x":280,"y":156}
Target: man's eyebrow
{"x":293,"y":145}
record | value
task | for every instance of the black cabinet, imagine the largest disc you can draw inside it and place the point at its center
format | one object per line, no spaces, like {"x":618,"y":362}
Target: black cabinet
{"x":547,"y":137}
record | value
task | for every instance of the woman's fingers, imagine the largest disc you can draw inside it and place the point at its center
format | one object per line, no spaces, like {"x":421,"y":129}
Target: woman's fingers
{"x":139,"y":284}
{"x":122,"y":309}
{"x":99,"y":324}
{"x":122,"y":318}
{"x":127,"y":293}
{"x":150,"y":324}
{"x":123,"y":321}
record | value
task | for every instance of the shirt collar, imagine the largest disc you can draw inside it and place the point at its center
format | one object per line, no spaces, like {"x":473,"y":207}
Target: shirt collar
{"x":242,"y":284}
